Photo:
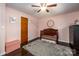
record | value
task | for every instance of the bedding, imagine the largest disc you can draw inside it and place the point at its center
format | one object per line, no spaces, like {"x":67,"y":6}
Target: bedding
{"x":43,"y":48}
{"x":49,"y":41}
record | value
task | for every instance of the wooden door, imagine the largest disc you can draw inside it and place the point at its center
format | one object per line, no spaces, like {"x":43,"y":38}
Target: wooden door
{"x":24,"y":31}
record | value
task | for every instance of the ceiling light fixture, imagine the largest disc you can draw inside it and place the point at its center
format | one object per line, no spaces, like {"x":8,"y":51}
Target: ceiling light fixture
{"x":43,"y":6}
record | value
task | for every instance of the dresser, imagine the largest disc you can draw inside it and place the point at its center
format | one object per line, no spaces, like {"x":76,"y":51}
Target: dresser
{"x":74,"y":36}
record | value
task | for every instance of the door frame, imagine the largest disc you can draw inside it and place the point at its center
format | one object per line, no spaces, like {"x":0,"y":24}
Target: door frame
{"x":27,"y":29}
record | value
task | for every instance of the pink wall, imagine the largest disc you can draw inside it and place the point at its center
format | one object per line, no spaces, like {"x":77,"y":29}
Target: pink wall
{"x":2,"y":28}
{"x":62,"y":23}
{"x":13,"y":30}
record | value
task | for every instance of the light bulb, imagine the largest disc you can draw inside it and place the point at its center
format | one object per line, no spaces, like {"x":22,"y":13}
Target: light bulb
{"x":43,"y":8}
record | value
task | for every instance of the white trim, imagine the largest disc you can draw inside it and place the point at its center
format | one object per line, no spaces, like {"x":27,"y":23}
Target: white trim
{"x":63,"y":41}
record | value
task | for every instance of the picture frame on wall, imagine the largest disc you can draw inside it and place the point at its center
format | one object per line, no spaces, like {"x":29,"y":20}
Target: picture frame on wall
{"x":12,"y":19}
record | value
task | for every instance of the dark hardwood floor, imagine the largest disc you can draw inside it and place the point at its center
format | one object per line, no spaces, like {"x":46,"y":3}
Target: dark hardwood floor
{"x":23,"y":52}
{"x":19,"y":52}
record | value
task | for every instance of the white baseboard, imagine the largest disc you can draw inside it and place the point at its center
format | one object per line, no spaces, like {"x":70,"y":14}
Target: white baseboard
{"x":63,"y":41}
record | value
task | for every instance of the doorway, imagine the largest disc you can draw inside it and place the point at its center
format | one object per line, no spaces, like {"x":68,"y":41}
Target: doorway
{"x":24,"y":31}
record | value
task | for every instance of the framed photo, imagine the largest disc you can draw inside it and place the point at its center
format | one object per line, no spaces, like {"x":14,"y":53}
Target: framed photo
{"x":12,"y":19}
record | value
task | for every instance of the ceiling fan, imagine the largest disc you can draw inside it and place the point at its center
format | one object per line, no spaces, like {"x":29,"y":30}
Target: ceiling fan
{"x":43,"y":6}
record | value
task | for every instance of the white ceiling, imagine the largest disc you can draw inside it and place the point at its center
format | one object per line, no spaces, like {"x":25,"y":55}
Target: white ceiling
{"x":61,"y":8}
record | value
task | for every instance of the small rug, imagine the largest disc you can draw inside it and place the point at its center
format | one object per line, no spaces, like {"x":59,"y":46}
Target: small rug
{"x":42,"y":48}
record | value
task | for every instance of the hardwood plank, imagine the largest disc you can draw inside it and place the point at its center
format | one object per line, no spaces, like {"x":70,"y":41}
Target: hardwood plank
{"x":19,"y":52}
